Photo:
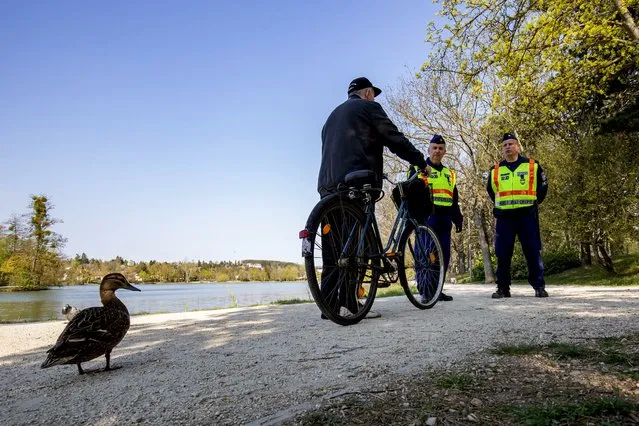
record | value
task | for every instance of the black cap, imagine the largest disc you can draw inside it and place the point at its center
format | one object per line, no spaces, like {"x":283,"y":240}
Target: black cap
{"x":362,"y":83}
{"x":437,"y":139}
{"x":508,"y":136}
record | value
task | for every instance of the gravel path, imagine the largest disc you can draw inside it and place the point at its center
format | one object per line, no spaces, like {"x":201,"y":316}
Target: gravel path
{"x":262,"y":365}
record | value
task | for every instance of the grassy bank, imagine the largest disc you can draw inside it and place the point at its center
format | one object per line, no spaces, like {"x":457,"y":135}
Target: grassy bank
{"x":626,"y":274}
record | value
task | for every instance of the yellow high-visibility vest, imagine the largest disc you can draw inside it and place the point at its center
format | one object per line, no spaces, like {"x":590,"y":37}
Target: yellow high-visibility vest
{"x":442,"y":185}
{"x":516,"y":189}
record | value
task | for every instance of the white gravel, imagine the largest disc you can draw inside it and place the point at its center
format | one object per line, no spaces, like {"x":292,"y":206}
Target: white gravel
{"x":262,"y":365}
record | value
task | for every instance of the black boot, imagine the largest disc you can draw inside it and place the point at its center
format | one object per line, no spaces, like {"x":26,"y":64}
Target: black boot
{"x":541,"y":292}
{"x":444,"y":297}
{"x":501,"y":293}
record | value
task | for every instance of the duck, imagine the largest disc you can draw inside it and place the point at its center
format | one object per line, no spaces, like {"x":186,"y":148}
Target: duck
{"x":94,"y":331}
{"x":69,"y":311}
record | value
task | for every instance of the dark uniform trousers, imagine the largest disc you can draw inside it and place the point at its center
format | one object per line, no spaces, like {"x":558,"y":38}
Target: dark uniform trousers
{"x":442,"y":225}
{"x":524,"y":225}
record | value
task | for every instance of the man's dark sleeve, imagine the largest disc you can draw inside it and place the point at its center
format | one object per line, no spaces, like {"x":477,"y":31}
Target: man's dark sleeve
{"x":542,"y":184}
{"x":489,"y":186}
{"x":457,"y":217}
{"x":394,"y":139}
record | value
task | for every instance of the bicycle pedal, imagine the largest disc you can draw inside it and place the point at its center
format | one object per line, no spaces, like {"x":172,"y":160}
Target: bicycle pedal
{"x":383,"y":285}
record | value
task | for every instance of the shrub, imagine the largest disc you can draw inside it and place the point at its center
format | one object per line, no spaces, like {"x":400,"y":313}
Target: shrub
{"x":554,"y":262}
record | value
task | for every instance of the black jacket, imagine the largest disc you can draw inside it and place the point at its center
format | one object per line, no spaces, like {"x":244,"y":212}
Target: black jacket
{"x":541,"y":183}
{"x":354,"y":138}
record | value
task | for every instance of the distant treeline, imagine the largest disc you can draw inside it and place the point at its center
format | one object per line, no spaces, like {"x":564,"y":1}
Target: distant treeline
{"x":81,"y":269}
{"x":31,"y":258}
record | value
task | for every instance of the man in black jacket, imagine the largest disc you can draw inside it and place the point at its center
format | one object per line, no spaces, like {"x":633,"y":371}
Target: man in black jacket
{"x":353,"y":138}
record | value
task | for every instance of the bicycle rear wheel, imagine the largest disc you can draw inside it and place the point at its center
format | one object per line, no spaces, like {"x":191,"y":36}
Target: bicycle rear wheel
{"x":339,"y":256}
{"x":421,"y":271}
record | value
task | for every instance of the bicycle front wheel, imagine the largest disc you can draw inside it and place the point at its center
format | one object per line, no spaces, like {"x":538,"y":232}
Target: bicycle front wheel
{"x":421,"y":271}
{"x":342,"y":260}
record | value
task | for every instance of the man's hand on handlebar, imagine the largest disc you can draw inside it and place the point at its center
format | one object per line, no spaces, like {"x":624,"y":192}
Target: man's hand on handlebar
{"x":424,"y":173}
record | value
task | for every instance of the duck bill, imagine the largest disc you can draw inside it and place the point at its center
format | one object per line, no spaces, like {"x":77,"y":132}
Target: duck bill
{"x":130,"y":287}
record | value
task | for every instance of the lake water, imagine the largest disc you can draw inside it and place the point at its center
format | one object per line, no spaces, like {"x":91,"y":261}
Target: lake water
{"x":46,"y":305}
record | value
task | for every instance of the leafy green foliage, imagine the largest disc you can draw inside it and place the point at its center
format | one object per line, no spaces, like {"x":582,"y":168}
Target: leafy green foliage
{"x":564,"y":76}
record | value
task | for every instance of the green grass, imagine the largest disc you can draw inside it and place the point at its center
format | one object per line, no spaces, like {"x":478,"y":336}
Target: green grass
{"x":607,"y":352}
{"x":393,"y":290}
{"x":572,"y":414}
{"x":455,"y":381}
{"x":294,"y":301}
{"x":626,"y":273}
{"x":568,"y":350}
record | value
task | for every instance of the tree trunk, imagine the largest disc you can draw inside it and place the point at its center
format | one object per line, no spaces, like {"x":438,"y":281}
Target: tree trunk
{"x":606,"y":261}
{"x":485,"y":248}
{"x":457,"y":243}
{"x":628,"y":22}
{"x":461,"y":263}
{"x":584,"y":254}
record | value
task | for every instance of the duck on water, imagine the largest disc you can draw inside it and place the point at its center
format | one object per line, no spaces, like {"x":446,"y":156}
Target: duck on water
{"x":94,"y":332}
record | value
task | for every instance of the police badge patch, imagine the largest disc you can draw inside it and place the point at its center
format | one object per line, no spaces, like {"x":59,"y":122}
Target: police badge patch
{"x":522,"y":177}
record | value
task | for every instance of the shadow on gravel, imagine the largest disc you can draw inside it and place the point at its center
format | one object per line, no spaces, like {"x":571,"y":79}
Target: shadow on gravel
{"x":237,"y":366}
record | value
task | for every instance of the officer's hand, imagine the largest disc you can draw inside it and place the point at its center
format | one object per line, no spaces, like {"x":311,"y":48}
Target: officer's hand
{"x":458,"y":228}
{"x":426,"y":171}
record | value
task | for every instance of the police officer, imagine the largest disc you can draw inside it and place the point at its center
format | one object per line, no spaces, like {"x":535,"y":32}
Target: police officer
{"x":443,"y":183}
{"x":517,"y":185}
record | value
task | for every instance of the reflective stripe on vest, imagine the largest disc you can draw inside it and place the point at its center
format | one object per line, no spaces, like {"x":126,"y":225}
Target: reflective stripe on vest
{"x":515,"y":189}
{"x":442,"y":185}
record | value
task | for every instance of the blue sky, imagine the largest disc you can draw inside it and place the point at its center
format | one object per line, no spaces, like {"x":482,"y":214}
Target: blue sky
{"x":177,"y":131}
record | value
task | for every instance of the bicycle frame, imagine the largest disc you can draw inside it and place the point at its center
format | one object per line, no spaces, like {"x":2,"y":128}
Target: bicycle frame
{"x":388,"y":250}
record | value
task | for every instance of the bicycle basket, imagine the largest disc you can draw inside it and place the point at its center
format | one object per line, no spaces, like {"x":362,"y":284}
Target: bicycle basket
{"x":417,"y":195}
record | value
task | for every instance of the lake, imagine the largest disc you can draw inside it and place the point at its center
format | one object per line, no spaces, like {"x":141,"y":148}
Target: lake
{"x":46,"y":305}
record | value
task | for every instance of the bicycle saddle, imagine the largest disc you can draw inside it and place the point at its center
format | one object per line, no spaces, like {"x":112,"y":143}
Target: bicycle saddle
{"x":358,"y":178}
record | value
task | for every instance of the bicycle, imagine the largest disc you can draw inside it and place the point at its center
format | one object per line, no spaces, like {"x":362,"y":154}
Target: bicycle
{"x":354,"y":263}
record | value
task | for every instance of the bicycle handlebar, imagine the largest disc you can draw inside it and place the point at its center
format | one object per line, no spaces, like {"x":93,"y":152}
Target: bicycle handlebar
{"x":413,"y":176}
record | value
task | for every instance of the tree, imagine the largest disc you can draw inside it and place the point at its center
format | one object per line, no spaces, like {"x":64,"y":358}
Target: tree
{"x":442,"y":102}
{"x":553,"y":58}
{"x":564,"y":76}
{"x":46,"y":243}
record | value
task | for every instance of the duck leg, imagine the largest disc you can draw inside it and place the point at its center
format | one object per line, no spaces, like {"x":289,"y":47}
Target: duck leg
{"x":108,"y":362}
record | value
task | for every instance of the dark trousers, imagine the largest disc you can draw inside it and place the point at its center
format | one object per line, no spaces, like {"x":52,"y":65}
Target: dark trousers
{"x":339,"y":283}
{"x":442,"y":225}
{"x":526,"y":227}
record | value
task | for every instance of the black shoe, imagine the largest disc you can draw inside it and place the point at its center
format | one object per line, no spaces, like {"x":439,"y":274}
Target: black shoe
{"x":541,"y":292}
{"x":501,"y":293}
{"x":444,"y":297}
{"x":323,"y":317}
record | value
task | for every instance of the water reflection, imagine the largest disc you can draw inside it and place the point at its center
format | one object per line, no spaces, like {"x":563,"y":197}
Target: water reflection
{"x":46,"y":305}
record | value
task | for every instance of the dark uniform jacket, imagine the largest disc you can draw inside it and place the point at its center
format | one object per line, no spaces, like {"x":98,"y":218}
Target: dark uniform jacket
{"x":541,"y":182}
{"x":354,"y":138}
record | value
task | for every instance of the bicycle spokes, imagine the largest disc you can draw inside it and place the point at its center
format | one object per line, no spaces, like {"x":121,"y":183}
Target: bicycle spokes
{"x":422,"y":272}
{"x":342,"y":246}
